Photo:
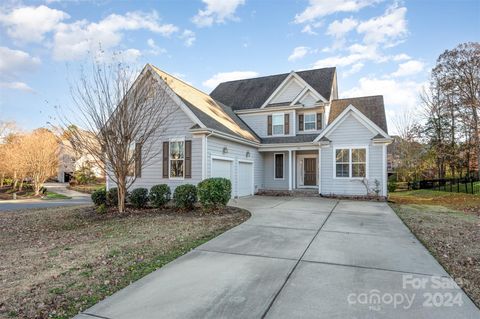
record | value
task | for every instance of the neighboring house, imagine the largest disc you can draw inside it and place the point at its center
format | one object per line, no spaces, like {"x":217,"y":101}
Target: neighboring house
{"x":282,"y":132}
{"x":71,"y":160}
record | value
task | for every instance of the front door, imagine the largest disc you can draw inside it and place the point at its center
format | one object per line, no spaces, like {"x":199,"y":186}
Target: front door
{"x":310,"y":172}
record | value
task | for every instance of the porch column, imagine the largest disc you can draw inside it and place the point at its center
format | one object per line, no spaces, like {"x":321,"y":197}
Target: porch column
{"x":294,"y":169}
{"x":319,"y":169}
{"x":290,"y":170}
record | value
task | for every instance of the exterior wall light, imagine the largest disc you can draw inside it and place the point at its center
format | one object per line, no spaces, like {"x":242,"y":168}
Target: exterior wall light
{"x":247,"y":155}
{"x":225,"y":150}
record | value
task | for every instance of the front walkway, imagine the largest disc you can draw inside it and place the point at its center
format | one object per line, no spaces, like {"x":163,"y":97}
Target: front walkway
{"x":298,"y":258}
{"x":77,"y":198}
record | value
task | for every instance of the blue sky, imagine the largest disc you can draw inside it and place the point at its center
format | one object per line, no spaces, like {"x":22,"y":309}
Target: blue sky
{"x":378,"y":47}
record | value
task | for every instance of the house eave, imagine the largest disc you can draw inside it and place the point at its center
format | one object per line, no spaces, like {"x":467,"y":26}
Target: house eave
{"x":210,"y":132}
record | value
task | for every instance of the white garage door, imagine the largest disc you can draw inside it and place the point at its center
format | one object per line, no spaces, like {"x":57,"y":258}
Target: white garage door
{"x":222,"y":168}
{"x":245,"y":179}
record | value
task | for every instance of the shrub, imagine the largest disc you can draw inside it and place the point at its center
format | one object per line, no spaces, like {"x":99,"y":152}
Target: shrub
{"x":139,"y":197}
{"x":84,"y":175}
{"x":185,"y":196}
{"x":99,"y":197}
{"x":159,"y":195}
{"x":214,"y":191}
{"x":392,"y":184}
{"x":112,"y":197}
{"x":101,"y":209}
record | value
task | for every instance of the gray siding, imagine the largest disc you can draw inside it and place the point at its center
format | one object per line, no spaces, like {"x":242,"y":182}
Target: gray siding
{"x":288,"y":93}
{"x":178,"y":127}
{"x":236,"y":152}
{"x":268,"y":173}
{"x":350,"y":133}
{"x":258,"y":122}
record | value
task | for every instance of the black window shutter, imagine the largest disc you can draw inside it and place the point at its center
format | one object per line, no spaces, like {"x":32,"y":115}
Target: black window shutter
{"x":269,"y":125}
{"x":300,"y":122}
{"x":188,"y":159}
{"x":287,"y":124}
{"x":165,"y":159}
{"x":278,"y":165}
{"x":319,"y":121}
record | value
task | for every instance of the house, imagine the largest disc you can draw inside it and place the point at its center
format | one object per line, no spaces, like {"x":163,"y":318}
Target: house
{"x":281,"y":132}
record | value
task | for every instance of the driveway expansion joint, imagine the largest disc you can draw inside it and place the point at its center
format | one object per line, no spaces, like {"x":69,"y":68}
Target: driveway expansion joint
{"x":298,"y":262}
{"x":94,"y":315}
{"x":243,"y":254}
{"x":374,"y":268}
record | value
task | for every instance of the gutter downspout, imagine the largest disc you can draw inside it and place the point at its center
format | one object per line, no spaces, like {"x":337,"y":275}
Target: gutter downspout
{"x":205,"y":155}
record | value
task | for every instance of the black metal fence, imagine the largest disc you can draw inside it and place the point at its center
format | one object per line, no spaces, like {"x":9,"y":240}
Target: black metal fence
{"x":456,"y":185}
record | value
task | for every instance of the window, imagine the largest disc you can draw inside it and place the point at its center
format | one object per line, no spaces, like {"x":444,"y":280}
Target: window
{"x":342,"y":161}
{"x":177,"y":158}
{"x":278,"y":164}
{"x":359,"y":162}
{"x":278,"y":124}
{"x":351,"y":162}
{"x":309,"y":122}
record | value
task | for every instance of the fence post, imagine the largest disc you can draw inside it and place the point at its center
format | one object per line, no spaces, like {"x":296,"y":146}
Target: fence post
{"x":466,"y":187}
{"x":450,"y":186}
{"x":458,"y":185}
{"x":471,"y":184}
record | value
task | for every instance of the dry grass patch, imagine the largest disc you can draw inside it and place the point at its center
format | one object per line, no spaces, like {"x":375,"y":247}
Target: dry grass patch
{"x":448,"y":224}
{"x":57,"y":262}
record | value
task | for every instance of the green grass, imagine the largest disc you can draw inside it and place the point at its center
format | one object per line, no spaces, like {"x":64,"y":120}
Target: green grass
{"x":52,"y":195}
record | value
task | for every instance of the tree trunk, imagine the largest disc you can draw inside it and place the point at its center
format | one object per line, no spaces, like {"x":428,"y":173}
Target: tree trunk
{"x":121,"y":187}
{"x":15,"y":180}
{"x":2,"y":179}
{"x":21,"y":184}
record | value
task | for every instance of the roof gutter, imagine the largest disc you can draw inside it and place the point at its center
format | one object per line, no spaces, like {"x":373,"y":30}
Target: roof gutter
{"x":226,"y":136}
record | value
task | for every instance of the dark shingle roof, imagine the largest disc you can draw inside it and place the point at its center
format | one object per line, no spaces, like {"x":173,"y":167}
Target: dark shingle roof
{"x":301,"y":138}
{"x":371,"y":106}
{"x":252,"y":93}
{"x":211,"y":123}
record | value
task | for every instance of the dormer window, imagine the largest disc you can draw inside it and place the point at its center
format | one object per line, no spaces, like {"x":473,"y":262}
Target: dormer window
{"x":310,"y":122}
{"x":278,"y":124}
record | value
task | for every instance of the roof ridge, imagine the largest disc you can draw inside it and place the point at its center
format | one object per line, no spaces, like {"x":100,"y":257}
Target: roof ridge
{"x":358,"y":97}
{"x":286,"y":73}
{"x":178,"y":79}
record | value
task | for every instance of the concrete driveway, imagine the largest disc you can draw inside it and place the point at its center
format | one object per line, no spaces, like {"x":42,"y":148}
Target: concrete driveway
{"x":299,"y":258}
{"x":77,"y":198}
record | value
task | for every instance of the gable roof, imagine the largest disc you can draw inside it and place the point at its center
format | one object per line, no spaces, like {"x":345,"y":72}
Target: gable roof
{"x":252,"y":93}
{"x":370,"y":106}
{"x":209,"y":112}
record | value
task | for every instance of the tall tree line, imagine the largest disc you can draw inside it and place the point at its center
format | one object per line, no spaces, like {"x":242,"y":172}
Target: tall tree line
{"x":451,"y":112}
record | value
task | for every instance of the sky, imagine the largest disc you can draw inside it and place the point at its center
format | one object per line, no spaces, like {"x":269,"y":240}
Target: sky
{"x":378,"y":46}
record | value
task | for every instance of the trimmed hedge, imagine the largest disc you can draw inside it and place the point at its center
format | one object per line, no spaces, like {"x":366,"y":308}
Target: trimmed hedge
{"x":159,"y":195}
{"x":213,"y":192}
{"x":139,"y":197}
{"x":99,"y":197}
{"x":112,"y":197}
{"x":185,"y":196}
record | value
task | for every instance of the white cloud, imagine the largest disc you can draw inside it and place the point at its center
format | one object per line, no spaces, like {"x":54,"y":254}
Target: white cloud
{"x":228,"y":76}
{"x":30,"y":24}
{"x":73,"y":41}
{"x":356,"y":54}
{"x":338,"y":28}
{"x":354,"y":69}
{"x":321,"y":8}
{"x":298,"y":53}
{"x":387,"y":28}
{"x":188,"y":37}
{"x":154,"y":48}
{"x":401,"y":57}
{"x":217,"y":11}
{"x":399,"y":96}
{"x":21,"y":86}
{"x":309,"y":30}
{"x":14,"y":61}
{"x":408,"y":68}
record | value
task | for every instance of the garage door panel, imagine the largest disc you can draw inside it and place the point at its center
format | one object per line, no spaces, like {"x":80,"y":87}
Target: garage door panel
{"x":222,"y":168}
{"x":245,"y":179}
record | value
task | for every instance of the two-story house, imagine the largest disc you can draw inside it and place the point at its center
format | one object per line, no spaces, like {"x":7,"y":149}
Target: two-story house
{"x":281,"y":132}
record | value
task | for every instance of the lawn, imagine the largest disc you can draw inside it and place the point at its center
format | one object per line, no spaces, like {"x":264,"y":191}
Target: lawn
{"x":88,"y":188}
{"x":57,"y":262}
{"x":448,"y":224}
{"x":6,"y":193}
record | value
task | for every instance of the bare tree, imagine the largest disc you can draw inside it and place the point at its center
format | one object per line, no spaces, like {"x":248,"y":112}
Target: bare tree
{"x":117,"y":119}
{"x":409,"y":147}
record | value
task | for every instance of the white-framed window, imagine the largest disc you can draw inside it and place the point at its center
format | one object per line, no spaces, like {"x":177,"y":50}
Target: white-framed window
{"x":351,"y":162}
{"x":278,"y":124}
{"x":177,"y":158}
{"x":278,"y":165}
{"x":310,"y":121}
